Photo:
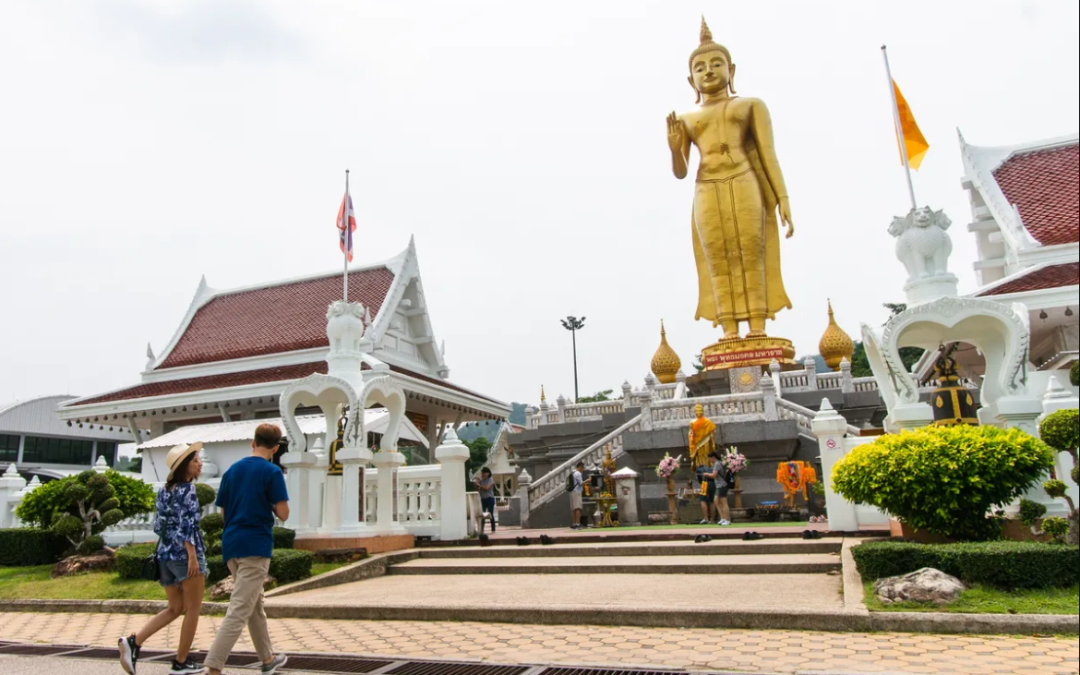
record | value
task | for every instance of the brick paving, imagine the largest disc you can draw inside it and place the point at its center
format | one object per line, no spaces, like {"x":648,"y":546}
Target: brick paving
{"x":751,"y":651}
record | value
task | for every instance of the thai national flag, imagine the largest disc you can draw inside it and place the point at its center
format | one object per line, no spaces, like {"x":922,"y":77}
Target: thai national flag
{"x":346,"y":224}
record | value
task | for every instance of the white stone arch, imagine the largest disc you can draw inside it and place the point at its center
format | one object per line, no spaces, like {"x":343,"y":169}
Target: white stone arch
{"x":997,"y":331}
{"x":384,"y":391}
{"x":324,"y":391}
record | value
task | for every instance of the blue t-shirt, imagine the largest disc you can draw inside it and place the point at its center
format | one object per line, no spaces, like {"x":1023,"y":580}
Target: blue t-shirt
{"x":248,"y":492}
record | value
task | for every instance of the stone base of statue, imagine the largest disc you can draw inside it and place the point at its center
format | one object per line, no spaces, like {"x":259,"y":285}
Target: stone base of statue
{"x":739,"y":352}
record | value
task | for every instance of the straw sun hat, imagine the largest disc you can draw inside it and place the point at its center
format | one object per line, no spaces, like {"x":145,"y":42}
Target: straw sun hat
{"x":178,"y":454}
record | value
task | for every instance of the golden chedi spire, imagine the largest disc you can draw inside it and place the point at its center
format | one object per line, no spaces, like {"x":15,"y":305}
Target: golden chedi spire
{"x":665,"y":362}
{"x":835,"y":345}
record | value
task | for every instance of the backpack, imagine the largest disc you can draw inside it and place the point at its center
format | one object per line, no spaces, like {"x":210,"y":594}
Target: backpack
{"x":570,"y":482}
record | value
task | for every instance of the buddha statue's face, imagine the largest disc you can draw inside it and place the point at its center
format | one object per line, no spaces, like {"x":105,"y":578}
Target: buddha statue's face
{"x":711,"y":72}
{"x":699,"y":410}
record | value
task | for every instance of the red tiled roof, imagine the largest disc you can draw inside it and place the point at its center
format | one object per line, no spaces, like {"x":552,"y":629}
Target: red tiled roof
{"x":209,"y":382}
{"x":272,"y":320}
{"x":1045,"y":185}
{"x":237,"y":379}
{"x":1054,"y":276}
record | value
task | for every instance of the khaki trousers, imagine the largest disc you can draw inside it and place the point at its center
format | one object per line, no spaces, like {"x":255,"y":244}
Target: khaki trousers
{"x":245,"y":609}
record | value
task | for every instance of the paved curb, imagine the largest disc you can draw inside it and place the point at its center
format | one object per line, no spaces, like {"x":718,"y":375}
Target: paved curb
{"x":838,"y":621}
{"x":853,"y":584}
{"x":368,"y":568}
{"x":575,"y":550}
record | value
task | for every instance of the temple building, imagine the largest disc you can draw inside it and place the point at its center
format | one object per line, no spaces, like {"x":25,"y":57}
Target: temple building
{"x":235,"y":352}
{"x":1026,"y":219}
{"x":39,"y":444}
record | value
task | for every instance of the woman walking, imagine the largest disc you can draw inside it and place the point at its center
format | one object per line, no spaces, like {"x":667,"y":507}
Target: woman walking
{"x":181,"y":558}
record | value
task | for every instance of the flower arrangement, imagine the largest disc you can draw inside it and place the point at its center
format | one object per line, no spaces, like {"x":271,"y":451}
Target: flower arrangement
{"x":668,"y":466}
{"x":734,"y":461}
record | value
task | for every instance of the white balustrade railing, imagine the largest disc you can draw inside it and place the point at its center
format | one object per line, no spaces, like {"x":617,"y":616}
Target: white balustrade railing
{"x":803,"y":416}
{"x":553,"y":483}
{"x":418,"y":495}
{"x":578,"y":411}
{"x":730,"y":407}
{"x":830,"y":380}
{"x":861,"y":384}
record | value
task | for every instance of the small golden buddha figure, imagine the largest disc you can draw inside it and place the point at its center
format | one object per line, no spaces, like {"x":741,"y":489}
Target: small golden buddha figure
{"x":608,"y":466}
{"x":701,"y":437}
{"x":739,"y":189}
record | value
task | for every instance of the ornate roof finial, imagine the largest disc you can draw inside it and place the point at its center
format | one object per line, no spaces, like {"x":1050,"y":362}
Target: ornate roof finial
{"x":835,"y":344}
{"x":665,"y":362}
{"x":543,"y":396}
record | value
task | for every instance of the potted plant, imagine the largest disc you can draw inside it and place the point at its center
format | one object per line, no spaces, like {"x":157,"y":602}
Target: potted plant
{"x":666,"y":470}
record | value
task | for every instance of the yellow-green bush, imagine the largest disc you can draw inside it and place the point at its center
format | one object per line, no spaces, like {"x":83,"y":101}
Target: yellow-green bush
{"x":944,"y":480}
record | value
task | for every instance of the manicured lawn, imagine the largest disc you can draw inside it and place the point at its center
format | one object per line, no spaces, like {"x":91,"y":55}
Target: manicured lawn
{"x":986,"y":600}
{"x":33,"y":583}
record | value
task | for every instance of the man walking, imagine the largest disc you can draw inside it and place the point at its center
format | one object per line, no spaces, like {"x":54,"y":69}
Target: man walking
{"x":252,"y":492}
{"x":576,"y":494}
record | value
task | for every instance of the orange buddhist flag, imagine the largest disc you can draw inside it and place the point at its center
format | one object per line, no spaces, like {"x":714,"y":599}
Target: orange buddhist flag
{"x":915,"y":145}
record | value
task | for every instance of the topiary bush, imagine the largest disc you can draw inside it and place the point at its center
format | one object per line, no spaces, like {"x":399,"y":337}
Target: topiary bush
{"x":1003,"y":564}
{"x":944,"y":480}
{"x":30,"y":546}
{"x":91,"y":545}
{"x":205,"y":494}
{"x":1030,"y":512}
{"x":286,"y":566}
{"x":1074,"y":374}
{"x":105,"y":500}
{"x":289,"y":565}
{"x":130,"y":560}
{"x":1061,"y":431}
{"x":212,"y":525}
{"x":284,"y":538}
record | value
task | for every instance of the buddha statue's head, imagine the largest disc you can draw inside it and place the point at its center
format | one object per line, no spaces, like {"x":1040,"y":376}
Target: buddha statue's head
{"x":699,"y":410}
{"x":711,"y":68}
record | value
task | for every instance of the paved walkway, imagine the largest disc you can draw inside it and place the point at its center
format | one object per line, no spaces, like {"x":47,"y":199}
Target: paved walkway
{"x":700,"y":649}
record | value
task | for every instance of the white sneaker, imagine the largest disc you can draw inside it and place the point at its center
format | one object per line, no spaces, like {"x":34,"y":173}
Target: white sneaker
{"x":725,"y":523}
{"x":704,"y":522}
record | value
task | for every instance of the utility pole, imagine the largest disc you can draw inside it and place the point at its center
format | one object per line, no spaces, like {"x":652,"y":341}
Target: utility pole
{"x":574,"y":324}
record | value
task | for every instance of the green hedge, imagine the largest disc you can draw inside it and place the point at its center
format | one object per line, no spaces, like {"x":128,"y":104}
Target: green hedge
{"x":284,"y":537}
{"x":130,"y":559}
{"x":1002,"y":564}
{"x":29,"y":546}
{"x":286,"y":566}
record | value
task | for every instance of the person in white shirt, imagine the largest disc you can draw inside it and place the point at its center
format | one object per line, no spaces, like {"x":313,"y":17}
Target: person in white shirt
{"x":576,"y":495}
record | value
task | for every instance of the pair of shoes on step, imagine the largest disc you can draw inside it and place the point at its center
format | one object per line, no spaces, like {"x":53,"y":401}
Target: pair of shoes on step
{"x":546,"y":540}
{"x":522,"y":541}
{"x":485,"y":540}
{"x":811,"y":534}
{"x":752,"y":536}
{"x":702,"y":539}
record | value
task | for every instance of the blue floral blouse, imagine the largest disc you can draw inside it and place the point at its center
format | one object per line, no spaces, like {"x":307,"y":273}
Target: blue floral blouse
{"x":178,"y":516}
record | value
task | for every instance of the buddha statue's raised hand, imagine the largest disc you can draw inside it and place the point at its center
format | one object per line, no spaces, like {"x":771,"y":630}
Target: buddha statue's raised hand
{"x":676,"y":134}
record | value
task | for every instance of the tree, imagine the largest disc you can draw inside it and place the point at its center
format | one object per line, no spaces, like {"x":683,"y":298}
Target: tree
{"x":860,"y":365}
{"x":597,"y":397}
{"x":1061,"y":431}
{"x":478,"y":454}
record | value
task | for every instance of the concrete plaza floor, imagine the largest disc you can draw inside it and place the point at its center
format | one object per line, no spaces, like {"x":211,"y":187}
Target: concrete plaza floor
{"x":713,"y":650}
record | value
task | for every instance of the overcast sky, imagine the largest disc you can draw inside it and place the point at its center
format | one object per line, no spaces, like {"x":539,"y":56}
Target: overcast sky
{"x":143,"y":144}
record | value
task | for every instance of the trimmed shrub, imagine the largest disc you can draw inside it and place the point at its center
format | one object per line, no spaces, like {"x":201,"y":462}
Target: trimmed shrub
{"x":29,"y":546}
{"x":1061,"y":430}
{"x":944,"y":480}
{"x":1030,"y":512}
{"x":289,"y":565}
{"x":91,"y":544}
{"x":205,"y":494}
{"x":1074,"y":374}
{"x":1003,"y":564}
{"x":130,"y":560}
{"x":284,"y":538}
{"x":286,"y":566}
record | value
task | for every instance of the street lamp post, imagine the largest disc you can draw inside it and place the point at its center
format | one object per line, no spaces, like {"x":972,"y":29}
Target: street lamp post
{"x":574,"y":324}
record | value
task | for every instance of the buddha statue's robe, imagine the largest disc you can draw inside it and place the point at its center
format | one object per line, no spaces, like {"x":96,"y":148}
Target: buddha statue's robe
{"x":702,"y":441}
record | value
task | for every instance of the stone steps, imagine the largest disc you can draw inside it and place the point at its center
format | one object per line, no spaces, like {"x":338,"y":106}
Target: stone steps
{"x":728,"y":563}
{"x":685,"y":547}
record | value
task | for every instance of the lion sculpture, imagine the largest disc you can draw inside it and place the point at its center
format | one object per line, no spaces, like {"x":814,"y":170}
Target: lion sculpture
{"x":922,"y":243}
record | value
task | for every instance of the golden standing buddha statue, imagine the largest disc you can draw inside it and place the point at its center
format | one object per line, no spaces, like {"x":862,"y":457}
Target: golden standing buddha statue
{"x":739,"y":189}
{"x":702,"y":438}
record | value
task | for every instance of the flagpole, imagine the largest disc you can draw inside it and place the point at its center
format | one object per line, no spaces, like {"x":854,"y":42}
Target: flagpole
{"x":899,"y":127}
{"x":348,"y":235}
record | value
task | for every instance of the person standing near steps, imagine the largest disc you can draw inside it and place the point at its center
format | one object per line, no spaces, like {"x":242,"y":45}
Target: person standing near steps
{"x":252,"y":492}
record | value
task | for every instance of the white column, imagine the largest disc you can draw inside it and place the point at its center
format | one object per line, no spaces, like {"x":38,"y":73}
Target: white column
{"x":524,"y":480}
{"x":452,"y":454}
{"x":387,"y":462}
{"x":352,"y":459}
{"x":768,"y":393}
{"x":1016,"y":412}
{"x":909,"y":416}
{"x":298,"y":481}
{"x":811,"y":373}
{"x":847,"y":385}
{"x":316,"y":480}
{"x":829,"y":427}
{"x":10,"y":483}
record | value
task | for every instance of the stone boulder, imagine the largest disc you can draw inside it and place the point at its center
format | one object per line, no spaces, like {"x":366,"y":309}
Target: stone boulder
{"x":925,"y":585}
{"x":103,"y":561}
{"x":223,"y":590}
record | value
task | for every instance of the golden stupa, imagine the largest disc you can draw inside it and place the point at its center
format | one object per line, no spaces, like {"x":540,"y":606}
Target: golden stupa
{"x":835,"y":345}
{"x":665,"y":362}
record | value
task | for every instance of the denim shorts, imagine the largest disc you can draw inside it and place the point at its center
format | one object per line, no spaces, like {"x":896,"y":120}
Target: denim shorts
{"x":174,"y":572}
